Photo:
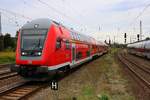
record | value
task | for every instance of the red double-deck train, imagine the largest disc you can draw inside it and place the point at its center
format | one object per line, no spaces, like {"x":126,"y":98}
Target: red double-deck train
{"x":45,"y":47}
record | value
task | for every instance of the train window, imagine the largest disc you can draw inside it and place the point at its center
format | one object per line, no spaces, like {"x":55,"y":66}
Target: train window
{"x":75,"y":36}
{"x":33,"y":39}
{"x":58,"y":43}
{"x":87,"y":53}
{"x":79,"y":55}
{"x":72,"y":35}
{"x":79,"y":37}
{"x":67,"y":44}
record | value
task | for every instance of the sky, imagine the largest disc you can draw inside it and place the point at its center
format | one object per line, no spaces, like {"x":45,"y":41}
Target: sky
{"x":101,"y":19}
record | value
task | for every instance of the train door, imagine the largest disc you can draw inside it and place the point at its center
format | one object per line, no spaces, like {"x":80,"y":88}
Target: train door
{"x":73,"y":53}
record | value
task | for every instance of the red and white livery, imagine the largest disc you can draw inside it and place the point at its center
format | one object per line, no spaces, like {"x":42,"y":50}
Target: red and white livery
{"x":45,"y":46}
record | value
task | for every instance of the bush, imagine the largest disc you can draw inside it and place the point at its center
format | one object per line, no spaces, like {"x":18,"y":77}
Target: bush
{"x":103,"y":97}
{"x":7,"y":57}
{"x":7,"y":42}
{"x":1,"y":43}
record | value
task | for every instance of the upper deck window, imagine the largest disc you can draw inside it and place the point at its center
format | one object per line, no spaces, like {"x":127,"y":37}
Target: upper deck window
{"x":58,"y":43}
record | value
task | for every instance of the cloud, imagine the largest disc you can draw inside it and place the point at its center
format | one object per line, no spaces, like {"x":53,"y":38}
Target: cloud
{"x":128,"y":5}
{"x":83,"y":15}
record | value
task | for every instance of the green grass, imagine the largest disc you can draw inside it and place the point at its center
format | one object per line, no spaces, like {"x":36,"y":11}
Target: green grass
{"x":7,"y":57}
{"x":103,"y":97}
{"x":116,"y":84}
{"x":113,"y":86}
{"x":103,"y":82}
{"x":87,"y":91}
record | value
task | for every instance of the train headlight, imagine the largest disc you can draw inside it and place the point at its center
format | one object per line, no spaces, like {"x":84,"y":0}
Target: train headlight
{"x":39,"y":53}
{"x":23,"y":53}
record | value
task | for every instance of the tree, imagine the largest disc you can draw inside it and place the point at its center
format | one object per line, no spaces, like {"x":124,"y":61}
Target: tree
{"x":148,"y":38}
{"x":8,"y":41}
{"x":1,"y":42}
{"x":17,"y":32}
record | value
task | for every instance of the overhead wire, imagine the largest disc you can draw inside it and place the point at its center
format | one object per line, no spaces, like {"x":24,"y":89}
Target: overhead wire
{"x":15,"y":14}
{"x":33,"y":6}
{"x":139,"y":15}
{"x":57,"y":11}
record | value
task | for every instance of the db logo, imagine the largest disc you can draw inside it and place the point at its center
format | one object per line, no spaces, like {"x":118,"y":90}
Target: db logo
{"x":54,"y":85}
{"x":67,"y":55}
{"x":29,"y":62}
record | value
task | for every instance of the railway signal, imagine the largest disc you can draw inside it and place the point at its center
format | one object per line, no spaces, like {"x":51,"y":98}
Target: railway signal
{"x":138,"y":37}
{"x":125,"y":37}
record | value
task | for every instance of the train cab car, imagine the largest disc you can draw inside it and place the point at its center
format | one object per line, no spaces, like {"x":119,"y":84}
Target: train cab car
{"x":42,"y":43}
{"x":147,"y":49}
{"x":45,"y":47}
{"x":141,"y":48}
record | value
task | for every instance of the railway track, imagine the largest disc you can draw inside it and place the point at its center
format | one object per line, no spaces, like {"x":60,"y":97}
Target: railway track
{"x":15,"y":90}
{"x":145,"y":63}
{"x":141,"y":66}
{"x":5,"y":71}
{"x":5,"y":65}
{"x":25,"y":89}
{"x":130,"y":64}
{"x":20,"y":91}
{"x":7,"y":75}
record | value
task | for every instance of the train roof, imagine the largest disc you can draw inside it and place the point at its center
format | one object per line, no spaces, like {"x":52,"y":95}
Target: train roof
{"x":43,"y":23}
{"x":140,"y":44}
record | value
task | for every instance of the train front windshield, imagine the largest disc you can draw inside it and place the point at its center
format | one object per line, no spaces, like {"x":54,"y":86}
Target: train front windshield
{"x":33,"y":39}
